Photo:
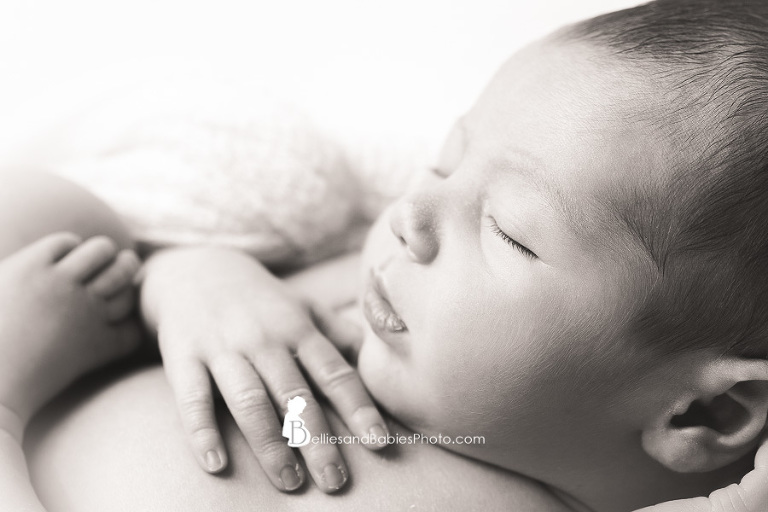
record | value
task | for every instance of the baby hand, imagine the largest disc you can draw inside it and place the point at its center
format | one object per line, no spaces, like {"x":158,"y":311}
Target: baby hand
{"x":66,"y":307}
{"x":751,"y":494}
{"x":221,"y":313}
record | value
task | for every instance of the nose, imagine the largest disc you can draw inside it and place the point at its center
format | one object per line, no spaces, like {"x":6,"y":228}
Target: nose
{"x":412,"y":220}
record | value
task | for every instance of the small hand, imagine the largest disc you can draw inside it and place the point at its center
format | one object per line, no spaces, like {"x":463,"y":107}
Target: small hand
{"x":66,"y":307}
{"x":749,"y":495}
{"x":240,"y":325}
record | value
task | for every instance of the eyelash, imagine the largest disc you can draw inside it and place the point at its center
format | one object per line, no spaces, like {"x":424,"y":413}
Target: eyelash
{"x":511,"y":241}
{"x":496,"y":229}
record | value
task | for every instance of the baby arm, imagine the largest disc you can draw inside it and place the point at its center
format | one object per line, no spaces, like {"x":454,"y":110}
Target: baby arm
{"x":65,"y":309}
{"x":219,"y":313}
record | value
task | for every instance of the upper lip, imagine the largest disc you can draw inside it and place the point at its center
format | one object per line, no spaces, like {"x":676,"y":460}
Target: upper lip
{"x":378,"y":283}
{"x":381,"y":289}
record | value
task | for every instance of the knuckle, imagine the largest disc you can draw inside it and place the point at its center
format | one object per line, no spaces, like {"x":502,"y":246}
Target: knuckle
{"x":297,"y":337}
{"x":273,"y":451}
{"x":729,"y":498}
{"x":301,"y":327}
{"x":334,"y":376}
{"x":203,"y":434}
{"x":251,"y":404}
{"x":307,"y":333}
{"x":194,"y":404}
{"x":250,"y":396}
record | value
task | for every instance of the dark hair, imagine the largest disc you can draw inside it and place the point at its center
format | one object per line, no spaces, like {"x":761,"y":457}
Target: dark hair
{"x":710,"y":241}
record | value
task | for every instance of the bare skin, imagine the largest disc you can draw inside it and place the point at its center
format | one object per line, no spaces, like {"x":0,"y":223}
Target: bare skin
{"x":72,"y":437}
{"x":116,"y":443}
{"x":74,"y":290}
{"x":66,"y":305}
{"x":65,"y":274}
{"x":105,"y":422}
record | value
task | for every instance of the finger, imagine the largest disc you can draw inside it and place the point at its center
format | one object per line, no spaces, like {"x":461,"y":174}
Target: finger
{"x":751,"y":494}
{"x":90,"y":257}
{"x":191,"y":386}
{"x":284,"y":380}
{"x":761,"y":457}
{"x":116,"y":277}
{"x":341,"y":384}
{"x":51,"y":248}
{"x":256,"y":417}
{"x":342,"y":332}
{"x":121,"y":305}
{"x":753,"y":489}
{"x":689,"y":505}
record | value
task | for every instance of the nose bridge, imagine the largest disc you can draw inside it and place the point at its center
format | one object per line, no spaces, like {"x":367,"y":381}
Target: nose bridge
{"x":414,"y":221}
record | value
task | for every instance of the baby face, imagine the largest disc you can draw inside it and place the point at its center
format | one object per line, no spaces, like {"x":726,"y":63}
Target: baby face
{"x":497,"y":288}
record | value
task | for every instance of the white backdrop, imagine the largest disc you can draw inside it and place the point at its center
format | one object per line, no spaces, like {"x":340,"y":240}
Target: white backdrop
{"x":396,"y":68}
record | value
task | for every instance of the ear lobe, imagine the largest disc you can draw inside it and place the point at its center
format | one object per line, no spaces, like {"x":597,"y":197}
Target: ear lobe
{"x":716,"y":425}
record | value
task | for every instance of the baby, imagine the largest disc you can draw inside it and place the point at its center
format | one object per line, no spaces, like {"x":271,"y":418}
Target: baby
{"x":581,"y":280}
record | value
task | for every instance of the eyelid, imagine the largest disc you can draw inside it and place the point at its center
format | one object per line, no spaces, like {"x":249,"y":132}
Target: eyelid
{"x":511,"y":241}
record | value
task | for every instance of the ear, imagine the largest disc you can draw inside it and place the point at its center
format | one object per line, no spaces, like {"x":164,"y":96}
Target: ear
{"x":719,"y":419}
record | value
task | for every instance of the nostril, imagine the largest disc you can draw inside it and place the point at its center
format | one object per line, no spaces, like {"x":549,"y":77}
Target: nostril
{"x":411,"y":222}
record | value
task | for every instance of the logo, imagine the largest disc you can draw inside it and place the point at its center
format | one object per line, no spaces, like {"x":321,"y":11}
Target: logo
{"x":293,"y":425}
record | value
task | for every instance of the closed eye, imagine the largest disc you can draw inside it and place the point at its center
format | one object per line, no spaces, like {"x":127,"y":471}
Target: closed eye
{"x":511,"y":241}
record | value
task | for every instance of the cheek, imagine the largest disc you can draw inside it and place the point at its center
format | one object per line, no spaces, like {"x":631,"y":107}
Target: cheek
{"x":484,"y":350}
{"x":494,"y":349}
{"x":477,"y":352}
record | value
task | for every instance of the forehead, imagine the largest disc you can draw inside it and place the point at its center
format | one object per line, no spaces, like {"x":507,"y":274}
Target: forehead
{"x":574,"y":123}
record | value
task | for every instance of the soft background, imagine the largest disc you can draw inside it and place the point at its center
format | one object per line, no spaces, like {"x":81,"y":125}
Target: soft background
{"x":280,"y":128}
{"x":398,"y":68}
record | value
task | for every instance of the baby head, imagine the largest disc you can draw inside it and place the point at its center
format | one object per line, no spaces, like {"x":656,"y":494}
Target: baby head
{"x":582,"y":278}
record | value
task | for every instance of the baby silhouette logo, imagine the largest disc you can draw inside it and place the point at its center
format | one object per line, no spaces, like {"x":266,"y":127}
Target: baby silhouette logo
{"x":293,"y":425}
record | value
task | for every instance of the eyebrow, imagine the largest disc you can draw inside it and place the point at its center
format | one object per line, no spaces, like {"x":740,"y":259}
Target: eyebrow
{"x":530,"y":165}
{"x":580,"y":221}
{"x":589,"y":222}
{"x":527,"y":164}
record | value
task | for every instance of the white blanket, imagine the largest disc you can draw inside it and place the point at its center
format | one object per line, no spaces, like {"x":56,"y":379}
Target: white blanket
{"x":212,"y":164}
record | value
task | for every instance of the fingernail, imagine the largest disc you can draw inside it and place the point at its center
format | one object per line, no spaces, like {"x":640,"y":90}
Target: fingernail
{"x":334,"y":476}
{"x":377,"y":435}
{"x":289,"y":475}
{"x":213,"y":460}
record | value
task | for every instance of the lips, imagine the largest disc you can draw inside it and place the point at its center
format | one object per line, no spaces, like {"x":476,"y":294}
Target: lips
{"x":379,"y":311}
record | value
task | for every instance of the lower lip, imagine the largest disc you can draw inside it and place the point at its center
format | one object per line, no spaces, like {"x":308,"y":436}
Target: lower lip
{"x":380,"y":315}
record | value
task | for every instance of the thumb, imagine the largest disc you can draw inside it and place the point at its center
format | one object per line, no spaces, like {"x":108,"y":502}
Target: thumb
{"x":344,"y":333}
{"x":749,"y":495}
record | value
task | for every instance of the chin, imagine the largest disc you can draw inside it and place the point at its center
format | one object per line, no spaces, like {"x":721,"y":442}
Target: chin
{"x":383,"y":376}
{"x":372,"y":367}
{"x":378,"y":373}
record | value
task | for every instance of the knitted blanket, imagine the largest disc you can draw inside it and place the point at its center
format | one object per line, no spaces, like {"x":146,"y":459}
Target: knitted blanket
{"x":224,"y":167}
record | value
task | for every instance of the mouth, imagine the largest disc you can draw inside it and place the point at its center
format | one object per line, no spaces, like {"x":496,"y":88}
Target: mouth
{"x":379,"y":311}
